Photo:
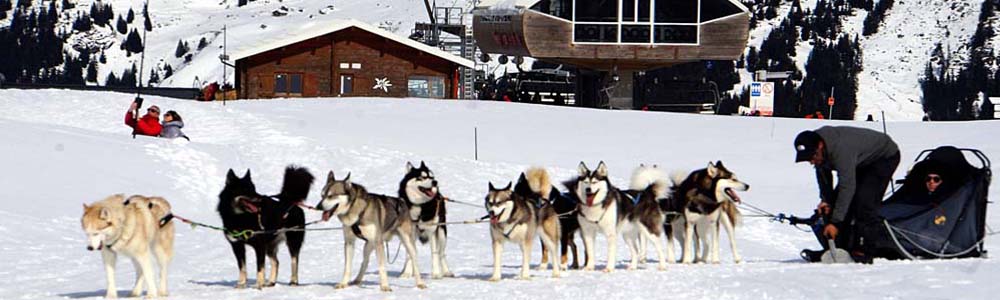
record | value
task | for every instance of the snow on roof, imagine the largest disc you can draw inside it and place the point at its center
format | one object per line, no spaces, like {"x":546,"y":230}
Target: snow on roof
{"x":316,"y":30}
{"x":507,"y":3}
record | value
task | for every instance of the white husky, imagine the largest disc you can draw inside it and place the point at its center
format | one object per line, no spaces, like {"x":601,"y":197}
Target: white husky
{"x":132,"y":228}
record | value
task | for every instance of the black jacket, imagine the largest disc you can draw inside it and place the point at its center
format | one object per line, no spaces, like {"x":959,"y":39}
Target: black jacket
{"x":847,"y":149}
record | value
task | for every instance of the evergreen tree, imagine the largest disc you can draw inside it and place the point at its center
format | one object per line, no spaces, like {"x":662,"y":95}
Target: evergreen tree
{"x":103,"y":59}
{"x":67,"y":5}
{"x":202,"y":43}
{"x":130,"y":16}
{"x":121,"y":26}
{"x":92,"y":72}
{"x":181,"y":49}
{"x":168,"y":71}
{"x":133,"y":43}
{"x":148,"y":23}
{"x":154,"y":77}
{"x":112,"y":80}
{"x":83,"y":23}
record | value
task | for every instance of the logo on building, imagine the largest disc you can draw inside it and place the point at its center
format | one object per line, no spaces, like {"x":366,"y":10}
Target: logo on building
{"x":382,"y":84}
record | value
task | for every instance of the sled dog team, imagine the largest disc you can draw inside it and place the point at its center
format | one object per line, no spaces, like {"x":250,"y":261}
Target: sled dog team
{"x":687,"y":206}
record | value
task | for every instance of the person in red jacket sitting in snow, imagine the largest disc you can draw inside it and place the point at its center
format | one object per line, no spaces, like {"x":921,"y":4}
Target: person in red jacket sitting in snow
{"x":148,"y":124}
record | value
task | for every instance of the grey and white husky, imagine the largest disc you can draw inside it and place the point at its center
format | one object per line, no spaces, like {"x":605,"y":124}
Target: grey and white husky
{"x":516,"y":219}
{"x":419,"y":189}
{"x":371,"y":217}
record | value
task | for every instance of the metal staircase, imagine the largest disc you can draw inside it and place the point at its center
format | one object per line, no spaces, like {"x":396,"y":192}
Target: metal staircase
{"x":448,"y":31}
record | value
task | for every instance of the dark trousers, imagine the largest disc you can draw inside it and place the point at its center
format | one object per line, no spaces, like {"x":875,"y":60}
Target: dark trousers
{"x":864,"y":228}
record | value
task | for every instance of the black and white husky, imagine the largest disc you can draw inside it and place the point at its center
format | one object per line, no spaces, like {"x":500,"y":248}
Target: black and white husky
{"x":705,"y":199}
{"x":603,"y":207}
{"x":419,"y":189}
{"x":372,"y":218}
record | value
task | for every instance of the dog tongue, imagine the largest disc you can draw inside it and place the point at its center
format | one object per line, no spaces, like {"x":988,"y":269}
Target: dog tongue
{"x":494,"y":220}
{"x":590,"y":199}
{"x":732,"y":194}
{"x":326,"y":215}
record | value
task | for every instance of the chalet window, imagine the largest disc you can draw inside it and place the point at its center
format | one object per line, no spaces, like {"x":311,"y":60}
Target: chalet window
{"x":287,"y":84}
{"x":558,"y":8}
{"x":426,"y":87}
{"x":346,"y":84}
{"x":636,"y":21}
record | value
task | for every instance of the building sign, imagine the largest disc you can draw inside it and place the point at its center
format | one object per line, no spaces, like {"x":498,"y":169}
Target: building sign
{"x":382,"y":84}
{"x":762,"y":97}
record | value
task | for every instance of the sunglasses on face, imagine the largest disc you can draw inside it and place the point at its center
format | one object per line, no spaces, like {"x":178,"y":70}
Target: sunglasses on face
{"x":154,"y":111}
{"x":934,"y":179}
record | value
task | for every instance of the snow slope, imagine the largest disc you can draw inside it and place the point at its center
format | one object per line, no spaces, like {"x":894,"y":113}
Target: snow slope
{"x":64,"y":148}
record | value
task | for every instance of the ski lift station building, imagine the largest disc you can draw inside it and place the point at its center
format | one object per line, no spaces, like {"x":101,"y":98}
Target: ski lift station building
{"x":345,"y":58}
{"x":613,"y":34}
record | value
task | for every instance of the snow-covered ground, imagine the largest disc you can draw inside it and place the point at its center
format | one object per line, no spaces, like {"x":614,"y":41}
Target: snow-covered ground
{"x":64,"y":148}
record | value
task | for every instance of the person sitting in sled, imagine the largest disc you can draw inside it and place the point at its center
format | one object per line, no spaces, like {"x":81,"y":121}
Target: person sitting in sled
{"x":149,"y":124}
{"x":865,"y":161}
{"x":172,"y":124}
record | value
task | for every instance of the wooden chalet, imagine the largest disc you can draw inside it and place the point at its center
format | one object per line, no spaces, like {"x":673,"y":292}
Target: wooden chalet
{"x":346,"y":58}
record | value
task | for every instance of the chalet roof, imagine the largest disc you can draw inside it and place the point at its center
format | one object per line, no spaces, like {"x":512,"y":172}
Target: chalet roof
{"x":281,"y":40}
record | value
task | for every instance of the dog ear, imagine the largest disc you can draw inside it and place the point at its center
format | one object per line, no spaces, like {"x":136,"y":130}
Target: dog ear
{"x":522,"y":178}
{"x":491,"y":187}
{"x":712,"y":170}
{"x":718,"y":164}
{"x":330,"y":177}
{"x":409,"y":167}
{"x":642,"y":165}
{"x":509,"y":184}
{"x":231,"y":177}
{"x":105,"y":214}
{"x":247,"y":175}
{"x":422,"y":165}
{"x":584,"y":171}
{"x":347,"y":180}
{"x":85,"y":207}
{"x":602,"y":169}
{"x":655,"y":166}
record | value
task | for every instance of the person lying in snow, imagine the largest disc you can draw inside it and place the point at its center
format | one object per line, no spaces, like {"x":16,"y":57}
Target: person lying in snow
{"x":172,"y":124}
{"x":149,"y":124}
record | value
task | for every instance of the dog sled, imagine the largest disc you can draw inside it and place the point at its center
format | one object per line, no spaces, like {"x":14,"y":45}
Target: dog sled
{"x":950,"y":223}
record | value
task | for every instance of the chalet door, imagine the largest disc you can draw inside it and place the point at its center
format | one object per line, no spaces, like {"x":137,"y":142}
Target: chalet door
{"x":346,"y":84}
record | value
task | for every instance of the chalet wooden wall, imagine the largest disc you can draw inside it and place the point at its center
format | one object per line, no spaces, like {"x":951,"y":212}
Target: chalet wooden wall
{"x":319,"y":61}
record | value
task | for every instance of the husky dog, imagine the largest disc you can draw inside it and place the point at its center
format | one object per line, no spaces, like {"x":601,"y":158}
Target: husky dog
{"x":648,"y":186}
{"x":603,"y":207}
{"x":243,"y":210}
{"x":427,"y":210}
{"x":704,"y":199}
{"x":372,"y":218}
{"x":132,"y":228}
{"x":536,"y":185}
{"x":515,"y":218}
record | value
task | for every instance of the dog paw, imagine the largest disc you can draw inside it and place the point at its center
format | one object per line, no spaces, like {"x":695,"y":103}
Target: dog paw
{"x":111,"y":295}
{"x":588,"y":268}
{"x":135,"y":294}
{"x":164,"y":294}
{"x":661,"y":268}
{"x":437,"y":276}
{"x":525,"y":277}
{"x":293,"y":283}
{"x":495,"y":278}
{"x":270,"y":284}
{"x":608,"y":270}
{"x":405,"y":275}
{"x":241,"y":285}
{"x":421,"y":286}
{"x":386,"y":288}
{"x":340,"y":286}
{"x":356,"y":282}
{"x":449,"y":274}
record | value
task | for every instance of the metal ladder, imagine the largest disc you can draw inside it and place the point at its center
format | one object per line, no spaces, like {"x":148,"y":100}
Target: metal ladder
{"x":468,"y":74}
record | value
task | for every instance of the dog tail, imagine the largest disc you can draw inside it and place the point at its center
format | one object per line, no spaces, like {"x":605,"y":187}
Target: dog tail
{"x":678,"y":176}
{"x":650,"y":177}
{"x":298,"y":182}
{"x":539,"y":181}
